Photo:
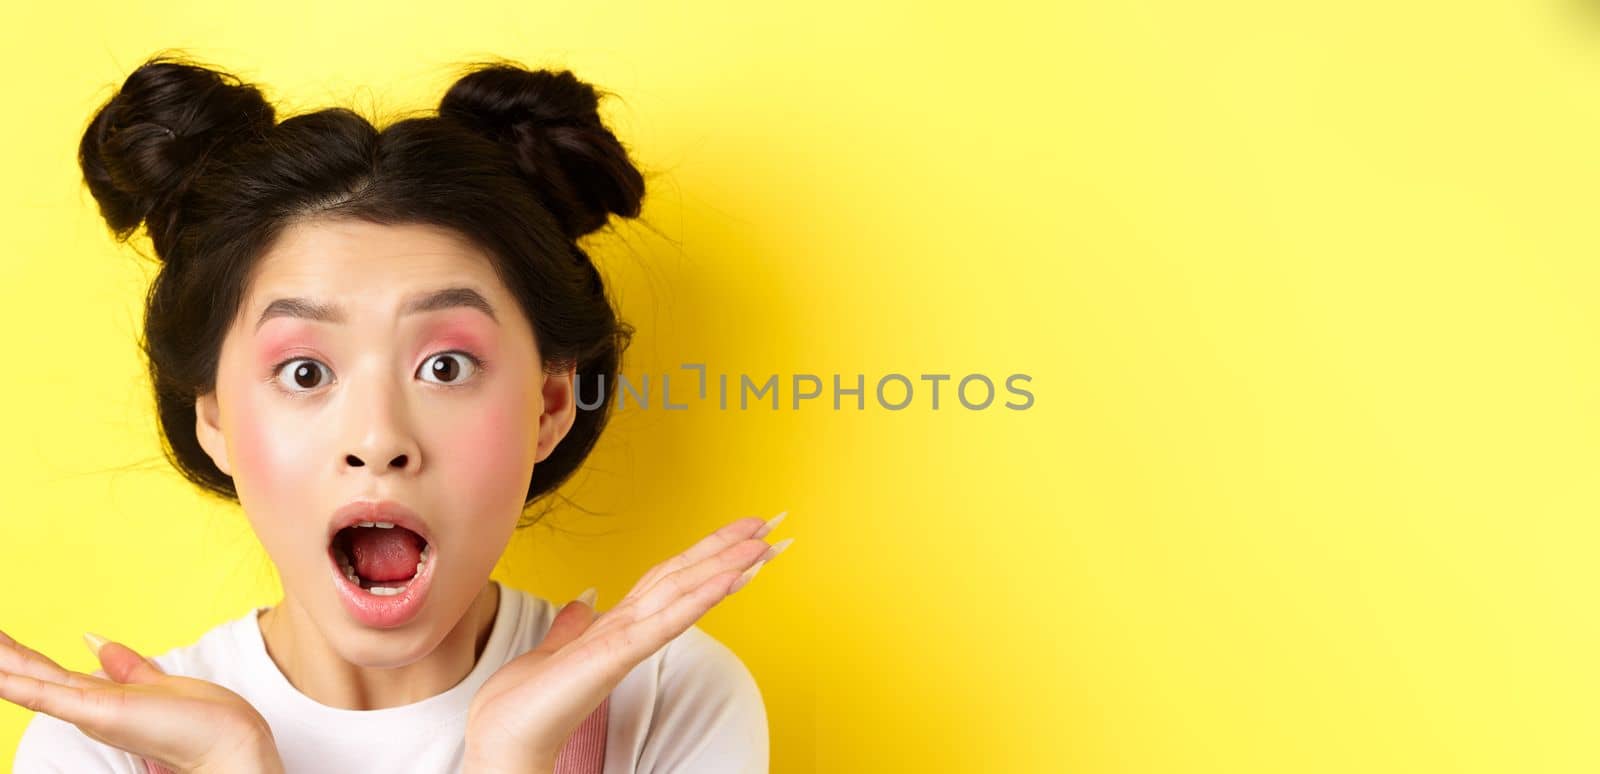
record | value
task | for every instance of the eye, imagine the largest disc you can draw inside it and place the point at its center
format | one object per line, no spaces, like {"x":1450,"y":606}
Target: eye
{"x":303,"y":376}
{"x":448,"y":367}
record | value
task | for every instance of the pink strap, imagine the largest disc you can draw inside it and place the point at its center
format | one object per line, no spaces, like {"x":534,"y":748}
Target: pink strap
{"x":584,"y":752}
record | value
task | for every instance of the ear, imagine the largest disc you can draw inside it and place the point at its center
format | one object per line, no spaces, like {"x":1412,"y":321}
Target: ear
{"x":560,"y":410}
{"x":208,"y":429}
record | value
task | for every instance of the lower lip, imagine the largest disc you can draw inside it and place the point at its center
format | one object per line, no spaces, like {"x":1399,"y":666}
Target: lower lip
{"x":384,"y":612}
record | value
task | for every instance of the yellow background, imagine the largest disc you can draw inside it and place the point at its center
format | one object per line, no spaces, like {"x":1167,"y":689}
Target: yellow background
{"x":1306,"y":293}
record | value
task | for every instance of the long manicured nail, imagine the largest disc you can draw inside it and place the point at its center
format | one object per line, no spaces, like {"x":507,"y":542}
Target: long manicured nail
{"x":771,"y":523}
{"x":589,"y":597}
{"x":95,"y":642}
{"x":777,"y":548}
{"x":746,"y":576}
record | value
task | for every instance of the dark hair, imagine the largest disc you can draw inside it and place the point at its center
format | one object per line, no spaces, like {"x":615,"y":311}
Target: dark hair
{"x":516,"y":160}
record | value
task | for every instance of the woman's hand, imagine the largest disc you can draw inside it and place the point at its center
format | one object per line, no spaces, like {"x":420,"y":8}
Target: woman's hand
{"x":523,"y":715}
{"x":182,"y":723}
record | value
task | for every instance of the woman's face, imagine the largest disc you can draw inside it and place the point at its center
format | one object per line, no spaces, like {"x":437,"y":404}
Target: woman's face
{"x":373,"y":401}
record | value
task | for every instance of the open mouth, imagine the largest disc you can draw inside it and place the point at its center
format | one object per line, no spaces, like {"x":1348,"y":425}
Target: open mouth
{"x":380,"y":558}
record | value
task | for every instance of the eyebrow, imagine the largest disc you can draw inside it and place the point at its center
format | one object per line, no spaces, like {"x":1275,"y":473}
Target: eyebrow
{"x":447,"y":298}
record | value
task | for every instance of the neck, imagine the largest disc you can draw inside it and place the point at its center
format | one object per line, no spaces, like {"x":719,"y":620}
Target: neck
{"x":313,"y":667}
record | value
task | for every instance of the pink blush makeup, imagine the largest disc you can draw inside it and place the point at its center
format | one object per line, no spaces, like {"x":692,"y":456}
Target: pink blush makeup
{"x":495,"y":444}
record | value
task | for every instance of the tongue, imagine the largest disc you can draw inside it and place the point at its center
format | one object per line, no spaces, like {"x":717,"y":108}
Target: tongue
{"x":385,"y":554}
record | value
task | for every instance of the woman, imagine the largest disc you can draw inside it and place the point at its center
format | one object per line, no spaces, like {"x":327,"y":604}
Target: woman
{"x":385,"y":346}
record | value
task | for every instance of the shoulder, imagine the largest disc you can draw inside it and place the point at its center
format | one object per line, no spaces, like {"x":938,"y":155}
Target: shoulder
{"x":220,"y":655}
{"x":701,"y":668}
{"x":709,"y":714}
{"x":50,"y":745}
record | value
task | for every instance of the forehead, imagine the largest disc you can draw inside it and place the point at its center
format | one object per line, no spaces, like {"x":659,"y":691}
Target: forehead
{"x":358,"y":263}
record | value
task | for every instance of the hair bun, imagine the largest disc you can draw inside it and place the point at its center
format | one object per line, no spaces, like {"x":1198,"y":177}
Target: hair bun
{"x":144,"y":144}
{"x":551,"y":121}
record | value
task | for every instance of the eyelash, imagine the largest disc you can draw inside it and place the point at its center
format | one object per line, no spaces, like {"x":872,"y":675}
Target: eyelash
{"x":479,"y":365}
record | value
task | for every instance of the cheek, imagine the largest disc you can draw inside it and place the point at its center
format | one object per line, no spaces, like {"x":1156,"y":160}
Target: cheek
{"x":493,"y":448}
{"x":267,"y":456}
{"x":271,"y":469}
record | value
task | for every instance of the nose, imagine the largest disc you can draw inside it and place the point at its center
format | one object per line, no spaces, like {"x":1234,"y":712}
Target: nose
{"x":400,"y":461}
{"x":381,"y":432}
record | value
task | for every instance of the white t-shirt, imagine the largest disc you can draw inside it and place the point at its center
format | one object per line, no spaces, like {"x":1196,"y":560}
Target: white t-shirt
{"x":691,"y":707}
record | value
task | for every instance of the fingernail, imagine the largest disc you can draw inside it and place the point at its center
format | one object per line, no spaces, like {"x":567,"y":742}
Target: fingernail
{"x":777,"y":548}
{"x":589,"y":597}
{"x":95,"y":642}
{"x":771,"y":523}
{"x":746,"y":576}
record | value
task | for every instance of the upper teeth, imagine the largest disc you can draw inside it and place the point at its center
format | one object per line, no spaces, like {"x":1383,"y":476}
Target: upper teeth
{"x":378,"y":524}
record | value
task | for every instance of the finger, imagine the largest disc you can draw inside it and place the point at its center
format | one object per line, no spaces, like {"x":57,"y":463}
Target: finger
{"x":87,"y":706}
{"x":573,"y":619}
{"x":674,"y":585}
{"x":107,"y":712}
{"x":635,"y":640}
{"x":742,"y":529}
{"x":125,"y":665}
{"x":739,"y":556}
{"x":20,"y":659}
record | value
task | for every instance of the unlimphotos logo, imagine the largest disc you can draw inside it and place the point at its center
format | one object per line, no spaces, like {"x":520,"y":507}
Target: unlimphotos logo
{"x":893,"y":391}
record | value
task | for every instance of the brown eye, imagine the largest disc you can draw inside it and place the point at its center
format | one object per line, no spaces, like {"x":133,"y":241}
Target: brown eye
{"x":448,"y":367}
{"x":302,"y":374}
